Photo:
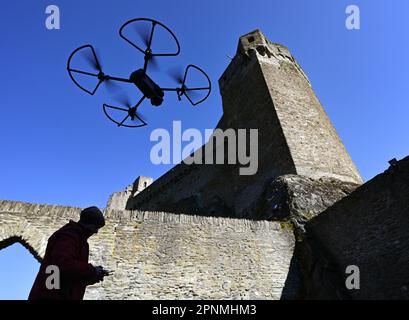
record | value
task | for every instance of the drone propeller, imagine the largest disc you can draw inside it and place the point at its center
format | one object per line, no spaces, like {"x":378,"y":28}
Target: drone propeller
{"x":145,"y":28}
{"x":132,"y":113}
{"x":90,"y":57}
{"x":146,"y":34}
{"x":123,"y":99}
{"x":176,"y":73}
{"x":93,"y":59}
{"x":139,"y":116}
{"x":193,"y":95}
{"x":143,"y":31}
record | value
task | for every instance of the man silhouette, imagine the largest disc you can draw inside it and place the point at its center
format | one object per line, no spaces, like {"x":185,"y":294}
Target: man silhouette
{"x":68,"y":250}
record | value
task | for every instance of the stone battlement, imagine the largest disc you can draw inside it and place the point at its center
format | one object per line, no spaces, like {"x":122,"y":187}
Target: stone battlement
{"x":255,"y":44}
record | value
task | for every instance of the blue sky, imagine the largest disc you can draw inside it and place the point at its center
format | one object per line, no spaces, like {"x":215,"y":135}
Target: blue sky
{"x":57,"y":146}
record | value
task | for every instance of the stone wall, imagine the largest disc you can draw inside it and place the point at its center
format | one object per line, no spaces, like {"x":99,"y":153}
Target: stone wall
{"x":118,"y":200}
{"x":368,"y":229}
{"x":166,"y":256}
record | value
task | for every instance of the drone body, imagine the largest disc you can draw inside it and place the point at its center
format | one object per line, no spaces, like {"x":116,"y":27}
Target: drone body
{"x":146,"y":85}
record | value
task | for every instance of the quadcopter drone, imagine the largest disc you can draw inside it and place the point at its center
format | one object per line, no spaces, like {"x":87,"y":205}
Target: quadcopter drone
{"x":147,"y":86}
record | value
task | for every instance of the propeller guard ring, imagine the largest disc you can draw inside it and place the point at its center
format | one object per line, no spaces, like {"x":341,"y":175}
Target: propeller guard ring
{"x":71,"y":70}
{"x":205,"y":88}
{"x":153,"y":22}
{"x":119,"y":123}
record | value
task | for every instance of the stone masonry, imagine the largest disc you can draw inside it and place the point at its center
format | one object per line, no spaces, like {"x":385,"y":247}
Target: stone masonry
{"x":158,"y":255}
{"x":302,"y":254}
{"x":118,"y":200}
{"x":367,"y":229}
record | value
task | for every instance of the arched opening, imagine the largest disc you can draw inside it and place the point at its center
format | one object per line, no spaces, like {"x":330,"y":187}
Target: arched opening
{"x":19,"y":264}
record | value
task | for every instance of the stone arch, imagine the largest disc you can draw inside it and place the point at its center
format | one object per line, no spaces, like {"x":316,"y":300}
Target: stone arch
{"x":15,"y":239}
{"x":15,"y":229}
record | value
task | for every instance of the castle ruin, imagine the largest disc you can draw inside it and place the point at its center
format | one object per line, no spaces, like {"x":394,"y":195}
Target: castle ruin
{"x":287,"y":232}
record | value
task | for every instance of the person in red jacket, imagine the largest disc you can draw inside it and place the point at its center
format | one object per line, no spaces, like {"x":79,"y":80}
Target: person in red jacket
{"x":66,"y":257}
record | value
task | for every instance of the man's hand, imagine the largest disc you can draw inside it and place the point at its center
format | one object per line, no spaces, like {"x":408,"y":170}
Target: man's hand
{"x":101,"y":273}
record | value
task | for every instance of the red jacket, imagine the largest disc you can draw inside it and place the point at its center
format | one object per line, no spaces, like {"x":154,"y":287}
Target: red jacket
{"x":67,"y":249}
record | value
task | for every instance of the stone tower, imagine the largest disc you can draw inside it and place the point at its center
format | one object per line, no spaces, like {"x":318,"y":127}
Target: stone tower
{"x":141,"y":183}
{"x":118,"y":200}
{"x":263,"y":88}
{"x":264,"y":83}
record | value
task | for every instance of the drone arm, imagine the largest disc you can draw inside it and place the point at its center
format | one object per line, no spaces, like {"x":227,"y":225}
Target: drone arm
{"x":105,"y":76}
{"x":139,"y":102}
{"x":180,"y":93}
{"x":101,"y":79}
{"x":118,"y":79}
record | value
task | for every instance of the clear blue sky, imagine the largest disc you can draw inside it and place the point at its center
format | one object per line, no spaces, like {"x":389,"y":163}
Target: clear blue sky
{"x":57,"y":147}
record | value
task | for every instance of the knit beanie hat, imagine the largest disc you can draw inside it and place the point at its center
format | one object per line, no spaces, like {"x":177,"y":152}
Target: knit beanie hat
{"x":93,"y":216}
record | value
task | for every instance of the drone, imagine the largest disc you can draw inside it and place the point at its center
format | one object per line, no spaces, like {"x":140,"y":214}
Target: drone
{"x":147,"y":86}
